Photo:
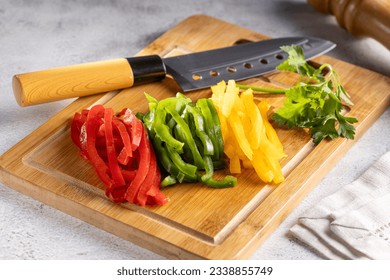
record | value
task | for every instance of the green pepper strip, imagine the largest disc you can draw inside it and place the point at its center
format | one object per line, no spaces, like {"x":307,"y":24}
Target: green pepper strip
{"x":217,"y":127}
{"x":165,"y":160}
{"x":198,"y":161}
{"x":188,"y":169}
{"x":148,"y":119}
{"x":152,"y":101}
{"x":208,"y":147}
{"x":227,"y":182}
{"x":210,"y":127}
{"x":162,"y":130}
{"x":209,"y":168}
{"x":168,"y":181}
{"x":219,"y":164}
{"x":179,"y":135}
{"x":178,"y":127}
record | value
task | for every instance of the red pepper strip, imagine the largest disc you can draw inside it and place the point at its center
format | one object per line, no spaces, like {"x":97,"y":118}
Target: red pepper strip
{"x":126,"y":151}
{"x":101,"y":141}
{"x":143,"y":169}
{"x":154,"y":195}
{"x":124,"y":135}
{"x":136,"y":126}
{"x":123,"y":158}
{"x":102,"y":131}
{"x":125,"y":115}
{"x":150,"y":177}
{"x":158,"y":199}
{"x":78,"y":131}
{"x":118,"y":194}
{"x":101,"y":137}
{"x":155,"y":187}
{"x":75,"y":129}
{"x":111,"y":153}
{"x":132,"y":163}
{"x":129,"y":175}
{"x":92,"y":124}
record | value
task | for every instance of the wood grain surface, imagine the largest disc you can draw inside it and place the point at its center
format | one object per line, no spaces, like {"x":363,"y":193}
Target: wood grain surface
{"x":360,"y":17}
{"x":72,"y":81}
{"x":198,"y":222}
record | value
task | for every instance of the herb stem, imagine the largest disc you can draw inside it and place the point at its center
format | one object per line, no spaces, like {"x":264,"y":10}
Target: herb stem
{"x":263,"y":90}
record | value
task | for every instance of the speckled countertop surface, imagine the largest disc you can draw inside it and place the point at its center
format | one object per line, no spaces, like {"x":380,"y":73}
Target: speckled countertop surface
{"x":39,"y":34}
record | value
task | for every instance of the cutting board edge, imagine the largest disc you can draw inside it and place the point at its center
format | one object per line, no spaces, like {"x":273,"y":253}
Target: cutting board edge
{"x":72,"y":208}
{"x":174,"y":251}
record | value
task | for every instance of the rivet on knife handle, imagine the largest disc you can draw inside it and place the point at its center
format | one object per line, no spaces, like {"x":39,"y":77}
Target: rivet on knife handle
{"x":85,"y":79}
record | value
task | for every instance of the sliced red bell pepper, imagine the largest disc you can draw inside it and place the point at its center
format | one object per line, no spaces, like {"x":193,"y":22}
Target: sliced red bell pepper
{"x":154,"y":195}
{"x":117,"y":194}
{"x":123,"y":157}
{"x":119,"y":149}
{"x":136,"y":132}
{"x":111,"y":153}
{"x":158,"y":199}
{"x":123,"y":133}
{"x":143,"y":169}
{"x":75,"y":129}
{"x":129,"y":175}
{"x":92,"y":124}
{"x":78,"y":133}
{"x":126,"y":151}
{"x":136,"y":127}
{"x":149,"y":179}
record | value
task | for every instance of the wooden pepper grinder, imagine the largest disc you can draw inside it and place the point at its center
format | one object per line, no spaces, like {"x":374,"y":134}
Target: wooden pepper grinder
{"x":360,"y":17}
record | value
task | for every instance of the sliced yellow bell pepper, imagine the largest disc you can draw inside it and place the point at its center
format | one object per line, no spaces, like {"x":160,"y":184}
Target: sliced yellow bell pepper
{"x":256,"y":129}
{"x":250,"y":140}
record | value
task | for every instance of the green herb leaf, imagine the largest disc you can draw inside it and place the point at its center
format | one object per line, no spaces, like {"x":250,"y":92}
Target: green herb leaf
{"x":315,"y":106}
{"x":296,"y":63}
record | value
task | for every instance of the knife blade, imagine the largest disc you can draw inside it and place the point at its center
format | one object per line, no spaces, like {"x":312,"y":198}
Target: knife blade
{"x":204,"y":69}
{"x":190,"y":71}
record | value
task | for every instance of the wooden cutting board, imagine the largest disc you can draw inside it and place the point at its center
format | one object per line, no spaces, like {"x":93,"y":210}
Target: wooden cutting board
{"x":198,"y":222}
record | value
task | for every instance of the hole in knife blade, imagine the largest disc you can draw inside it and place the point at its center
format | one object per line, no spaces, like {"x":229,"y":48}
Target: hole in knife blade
{"x":242,"y":41}
{"x":263,"y":61}
{"x":279,"y":56}
{"x":196,"y":77}
{"x":231,"y":69}
{"x":248,"y":65}
{"x":214,"y":73}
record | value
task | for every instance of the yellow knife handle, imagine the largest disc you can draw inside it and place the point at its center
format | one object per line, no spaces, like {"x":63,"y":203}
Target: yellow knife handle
{"x":85,"y":79}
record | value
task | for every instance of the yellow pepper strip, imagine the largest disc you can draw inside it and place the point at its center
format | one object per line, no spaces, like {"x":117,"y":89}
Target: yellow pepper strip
{"x":249,"y":137}
{"x":261,"y":167}
{"x":246,"y":163}
{"x":235,"y":165}
{"x":230,"y":98}
{"x":270,"y":131}
{"x":234,"y":158}
{"x":239,"y":133}
{"x":218,"y":91}
{"x":255,"y":117}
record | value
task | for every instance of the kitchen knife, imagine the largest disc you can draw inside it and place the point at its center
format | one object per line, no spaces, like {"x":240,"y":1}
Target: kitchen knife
{"x":191,"y":71}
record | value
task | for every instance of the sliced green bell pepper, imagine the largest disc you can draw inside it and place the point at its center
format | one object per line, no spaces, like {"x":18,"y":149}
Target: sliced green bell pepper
{"x":187,"y":139}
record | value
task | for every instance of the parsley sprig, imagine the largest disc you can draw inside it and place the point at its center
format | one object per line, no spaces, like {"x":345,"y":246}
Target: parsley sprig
{"x":315,"y":102}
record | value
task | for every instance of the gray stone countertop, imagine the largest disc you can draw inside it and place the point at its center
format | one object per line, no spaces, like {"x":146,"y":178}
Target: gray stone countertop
{"x":40,"y":34}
